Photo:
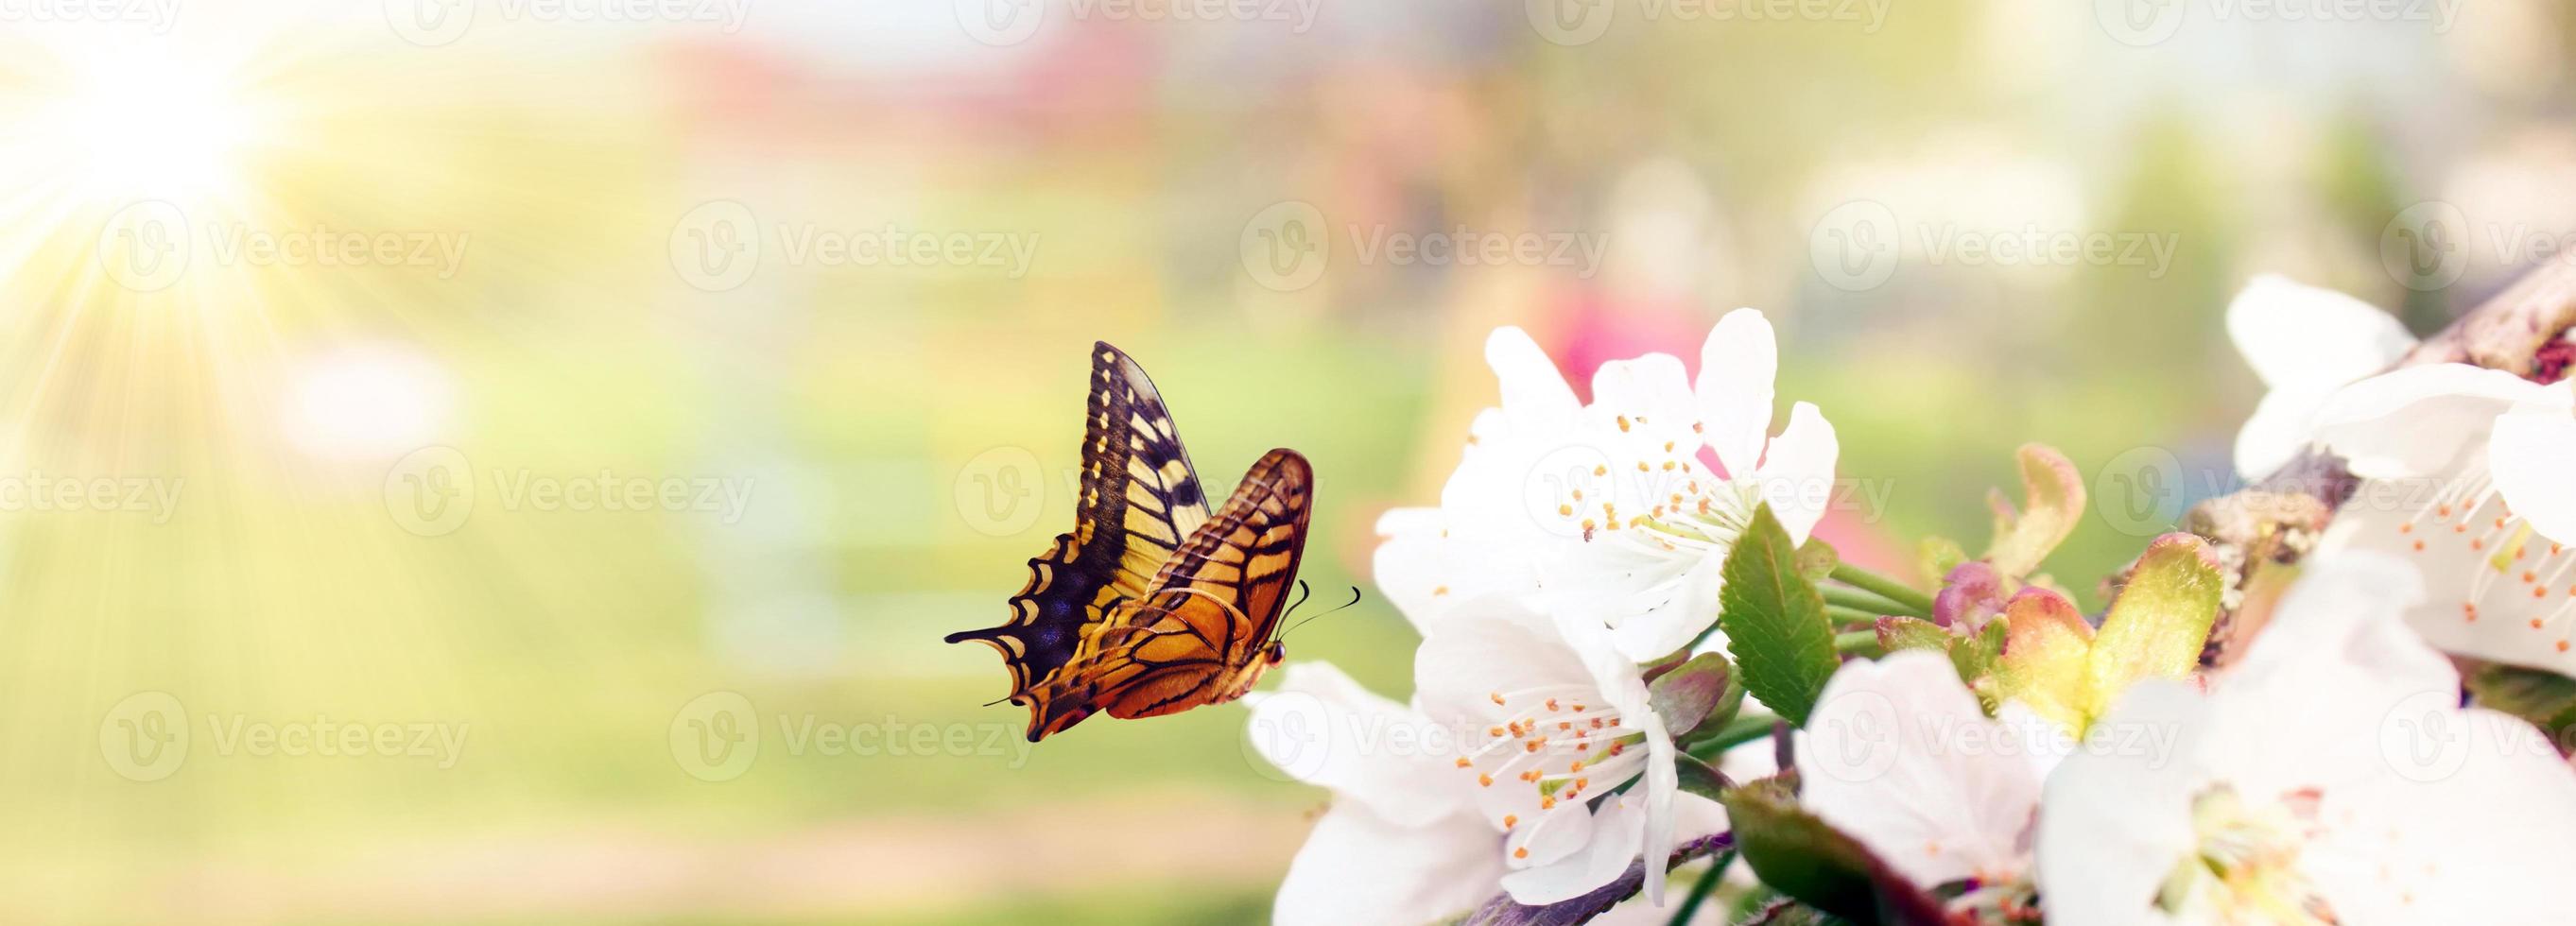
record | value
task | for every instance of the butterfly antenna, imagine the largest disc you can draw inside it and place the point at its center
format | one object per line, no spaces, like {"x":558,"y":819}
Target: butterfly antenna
{"x":1355,"y":599}
{"x":1303,"y":592}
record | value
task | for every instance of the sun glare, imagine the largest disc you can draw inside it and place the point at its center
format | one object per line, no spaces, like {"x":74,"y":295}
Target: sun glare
{"x":142,"y":120}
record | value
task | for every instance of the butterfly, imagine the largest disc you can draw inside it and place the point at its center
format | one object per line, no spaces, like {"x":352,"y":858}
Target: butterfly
{"x":1153,"y":604}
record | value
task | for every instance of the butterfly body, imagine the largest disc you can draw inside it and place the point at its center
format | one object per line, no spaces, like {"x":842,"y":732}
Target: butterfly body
{"x":1153,"y":604}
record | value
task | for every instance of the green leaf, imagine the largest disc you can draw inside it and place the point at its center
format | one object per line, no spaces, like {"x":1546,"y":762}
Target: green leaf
{"x":1903,"y":633}
{"x":1797,"y":854}
{"x":2546,"y":699}
{"x":2160,"y":621}
{"x":1936,"y":557}
{"x":1781,"y":911}
{"x":2053,"y":501}
{"x":2070,"y":673}
{"x":1817,"y":559}
{"x":1978,"y":656}
{"x":1701,"y":778}
{"x":1688,"y":695}
{"x":2044,"y":657}
{"x":1775,"y":621}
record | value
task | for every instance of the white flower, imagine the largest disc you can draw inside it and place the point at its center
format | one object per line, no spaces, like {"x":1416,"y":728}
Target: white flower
{"x":1403,"y":842}
{"x":1898,"y":756}
{"x":2330,"y":777}
{"x":1553,"y":716}
{"x":2470,"y":481}
{"x":2305,"y":343}
{"x":1610,"y":511}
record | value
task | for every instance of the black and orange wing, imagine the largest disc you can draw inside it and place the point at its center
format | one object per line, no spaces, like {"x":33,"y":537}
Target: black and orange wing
{"x":1199,"y":636}
{"x":1138,"y":499}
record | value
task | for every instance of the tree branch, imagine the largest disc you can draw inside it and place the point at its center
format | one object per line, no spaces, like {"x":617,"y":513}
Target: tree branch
{"x":2523,"y":330}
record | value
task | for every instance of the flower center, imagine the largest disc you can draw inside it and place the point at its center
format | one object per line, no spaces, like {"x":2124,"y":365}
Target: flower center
{"x":1669,"y":506}
{"x":1560,"y":741}
{"x":2519,"y":576}
{"x":2246,"y":867}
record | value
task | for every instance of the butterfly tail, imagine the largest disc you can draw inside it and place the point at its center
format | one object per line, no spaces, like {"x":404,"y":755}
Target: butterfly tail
{"x":1056,"y":711}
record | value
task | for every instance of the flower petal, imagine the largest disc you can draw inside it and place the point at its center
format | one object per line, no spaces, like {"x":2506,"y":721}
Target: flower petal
{"x":2418,"y":421}
{"x":2486,"y":843}
{"x":1357,"y":868}
{"x":2283,"y":424}
{"x":1550,"y":836}
{"x":1737,"y":366}
{"x":1797,"y":474}
{"x":2295,"y":335}
{"x":2531,"y":454}
{"x":1647,"y":402}
{"x":1656,"y":605}
{"x":2341,"y":624}
{"x":1325,"y":729}
{"x":1414,"y":565}
{"x":1497,"y":645}
{"x":2117,"y":822}
{"x":1899,"y":756}
{"x":1612,"y":837}
{"x":1535,"y":396}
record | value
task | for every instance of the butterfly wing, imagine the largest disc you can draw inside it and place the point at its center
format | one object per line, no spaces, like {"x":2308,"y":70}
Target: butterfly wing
{"x":1139,"y":497}
{"x":1211,"y":614}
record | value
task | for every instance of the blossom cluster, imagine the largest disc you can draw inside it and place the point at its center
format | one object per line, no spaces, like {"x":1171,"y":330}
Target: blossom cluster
{"x":1628,"y":632}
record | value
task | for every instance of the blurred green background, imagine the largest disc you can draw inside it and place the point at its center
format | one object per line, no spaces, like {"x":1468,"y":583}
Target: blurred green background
{"x":830,"y":270}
